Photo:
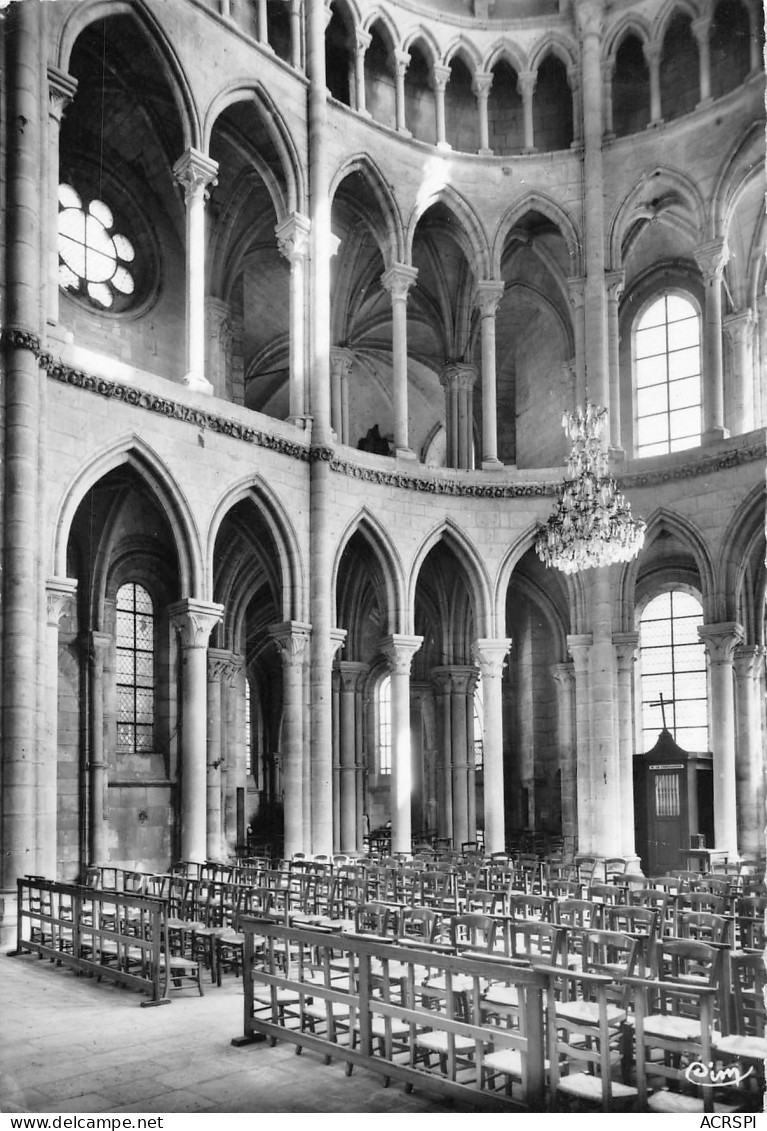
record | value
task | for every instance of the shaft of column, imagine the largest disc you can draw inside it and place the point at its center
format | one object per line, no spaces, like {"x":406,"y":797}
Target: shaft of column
{"x":481,"y":85}
{"x":401,"y":63}
{"x":440,"y":79}
{"x":23,"y":322}
{"x":489,"y":656}
{"x":526,"y":86}
{"x":263,"y":27}
{"x":295,"y":33}
{"x":739,"y":329}
{"x":749,"y":673}
{"x":397,"y":280}
{"x":293,"y":243}
{"x":712,"y":259}
{"x":194,"y":621}
{"x":579,"y":646}
{"x":460,"y":765}
{"x":196,"y":173}
{"x":652,"y":56}
{"x":61,"y":90}
{"x":217,"y":662}
{"x":350,"y":674}
{"x":319,"y":215}
{"x":490,"y":293}
{"x":625,"y":649}
{"x":292,"y":640}
{"x":701,"y":29}
{"x":564,"y":677}
{"x":97,"y":765}
{"x":615,"y":280}
{"x":362,"y":41}
{"x":60,"y":593}
{"x":720,"y":641}
{"x":399,"y":651}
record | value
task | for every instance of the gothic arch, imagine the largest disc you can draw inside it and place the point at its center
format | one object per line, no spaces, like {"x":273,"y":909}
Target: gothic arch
{"x":87,"y":13}
{"x":666,"y":15}
{"x":474,"y":242}
{"x":557,"y":45}
{"x":134,"y":452}
{"x":423,"y":35}
{"x":379,"y":16}
{"x":476,"y":576}
{"x":509,"y":51}
{"x":743,"y":548}
{"x":662,"y":193}
{"x":632,"y":23}
{"x":538,"y":202}
{"x":466,"y":50}
{"x":380,"y":542}
{"x":735,"y":175}
{"x":392,"y":245}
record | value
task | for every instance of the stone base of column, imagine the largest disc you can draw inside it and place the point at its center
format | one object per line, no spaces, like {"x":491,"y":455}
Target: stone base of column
{"x":198,"y":384}
{"x":405,"y":453}
{"x":403,"y":132}
{"x":616,"y":455}
{"x":444,"y":146}
{"x":303,"y":422}
{"x":634,"y":865}
{"x":493,"y":464}
{"x":713,"y":435}
{"x":485,"y":152}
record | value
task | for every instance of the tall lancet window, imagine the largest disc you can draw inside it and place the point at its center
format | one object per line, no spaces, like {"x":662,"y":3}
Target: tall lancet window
{"x":135,"y":670}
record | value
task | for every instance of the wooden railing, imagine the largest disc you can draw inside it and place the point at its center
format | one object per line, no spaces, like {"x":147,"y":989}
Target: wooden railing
{"x":112,"y":934}
{"x":368,"y":1001}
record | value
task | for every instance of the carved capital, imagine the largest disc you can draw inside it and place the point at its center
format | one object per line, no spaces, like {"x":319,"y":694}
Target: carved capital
{"x":459,"y":375}
{"x":337,"y":639}
{"x":748,"y":661}
{"x":221,"y":667}
{"x":60,"y":592}
{"x":362,"y":40}
{"x":712,"y":259}
{"x":292,"y":640}
{"x":194,"y":621}
{"x":341,"y":361}
{"x":626,"y":644}
{"x":61,"y":90}
{"x":489,"y":294}
{"x":293,"y":237}
{"x":564,"y":676}
{"x":577,"y":290}
{"x":614,"y":284}
{"x":579,"y":647}
{"x":739,"y":327}
{"x":489,"y":654}
{"x":526,"y":81}
{"x":590,"y":16}
{"x":481,"y":84}
{"x":701,"y":28}
{"x":398,"y":279}
{"x":455,"y":679}
{"x":196,"y":173}
{"x":440,"y":77}
{"x":721,"y":640}
{"x":351,"y":674}
{"x":399,"y":651}
{"x":401,"y":61}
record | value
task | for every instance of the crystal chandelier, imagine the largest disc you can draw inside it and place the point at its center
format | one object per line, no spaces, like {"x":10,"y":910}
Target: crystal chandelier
{"x":592,"y":524}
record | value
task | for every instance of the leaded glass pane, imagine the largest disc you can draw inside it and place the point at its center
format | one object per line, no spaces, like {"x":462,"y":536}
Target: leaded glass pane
{"x":650,"y":371}
{"x":651,"y":342}
{"x":683,"y":334}
{"x":135,"y":668}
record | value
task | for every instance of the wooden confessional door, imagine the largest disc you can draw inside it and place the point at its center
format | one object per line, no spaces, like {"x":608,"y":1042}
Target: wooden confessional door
{"x":667,"y":819}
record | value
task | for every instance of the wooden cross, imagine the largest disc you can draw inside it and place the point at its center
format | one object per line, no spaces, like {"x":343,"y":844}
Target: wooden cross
{"x":661,"y":702}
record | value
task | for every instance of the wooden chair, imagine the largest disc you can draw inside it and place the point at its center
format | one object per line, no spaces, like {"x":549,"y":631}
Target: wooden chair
{"x":743,"y":1046}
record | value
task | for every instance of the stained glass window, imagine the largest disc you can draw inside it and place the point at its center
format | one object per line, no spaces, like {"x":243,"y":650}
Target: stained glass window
{"x":93,"y":258}
{"x":135,"y":670}
{"x":384,"y":725}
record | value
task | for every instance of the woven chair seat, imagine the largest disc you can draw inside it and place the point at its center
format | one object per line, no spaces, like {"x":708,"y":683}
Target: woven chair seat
{"x":501,"y":995}
{"x":587,"y":1012}
{"x":436,"y":1041}
{"x":318,"y":1009}
{"x":668,"y":1027}
{"x":674,"y":1102}
{"x":752,"y":1048}
{"x":588,"y":1087}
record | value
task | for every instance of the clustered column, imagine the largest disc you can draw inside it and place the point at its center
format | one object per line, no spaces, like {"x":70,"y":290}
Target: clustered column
{"x":293,"y":243}
{"x":398,"y":280}
{"x":292,"y":640}
{"x":489,"y":655}
{"x":456,"y":685}
{"x":194,"y":621}
{"x":740,"y":331}
{"x":341,"y":361}
{"x":399,"y":651}
{"x":564,"y":677}
{"x":98,"y":645}
{"x":196,"y":173}
{"x":712,"y":260}
{"x":60,"y":594}
{"x":749,"y":746}
{"x":458,"y":380}
{"x":721,"y":641}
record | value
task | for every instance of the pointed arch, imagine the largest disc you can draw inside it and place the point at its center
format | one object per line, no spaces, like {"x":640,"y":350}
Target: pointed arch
{"x":255,"y":489}
{"x":522,"y":544}
{"x":471,"y":235}
{"x":735,"y":174}
{"x":558,"y":45}
{"x":559,"y":217}
{"x":468,"y":52}
{"x":393,"y":245}
{"x":423,"y":35}
{"x":665,"y":520}
{"x":663,"y":193}
{"x":743,"y":545}
{"x":245,"y":90}
{"x":134,"y":452}
{"x":666,"y":14}
{"x":476,"y":576}
{"x":369,"y":527}
{"x":511,"y":52}
{"x":90,"y":11}
{"x":379,"y":16}
{"x":632,"y":23}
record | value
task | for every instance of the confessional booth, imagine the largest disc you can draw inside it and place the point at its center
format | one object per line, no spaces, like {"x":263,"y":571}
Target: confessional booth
{"x":673,"y":807}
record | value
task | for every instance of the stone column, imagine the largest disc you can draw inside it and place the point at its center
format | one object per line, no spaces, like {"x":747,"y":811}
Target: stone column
{"x":564,"y":677}
{"x":574,"y":79}
{"x":615,"y":281}
{"x":194,"y":621}
{"x":739,"y":329}
{"x":442,"y":680}
{"x":608,"y":72}
{"x":481,"y":84}
{"x":590,"y":15}
{"x":526,"y":81}
{"x":61,"y":90}
{"x":262,"y":25}
{"x":760,"y":368}
{"x":233,"y":750}
{"x":577,"y":291}
{"x":295,"y":34}
{"x":98,"y":647}
{"x":401,"y":62}
{"x":60,"y":593}
{"x":652,"y":54}
{"x":712,"y":259}
{"x":489,"y":295}
{"x":219,"y":665}
{"x":219,"y":342}
{"x":350,"y":674}
{"x":749,"y":750}
{"x":292,"y":640}
{"x":605,"y":790}
{"x":458,"y":380}
{"x":701,"y":29}
{"x":489,"y":655}
{"x":293,"y":243}
{"x":196,"y":173}
{"x":362,"y":40}
{"x":456,"y":684}
{"x":399,"y":651}
{"x":440,"y":79}
{"x":721,"y":641}
{"x":397,"y":280}
{"x":626,"y":652}
{"x":23,"y":319}
{"x":341,"y":361}
{"x":579,"y":646}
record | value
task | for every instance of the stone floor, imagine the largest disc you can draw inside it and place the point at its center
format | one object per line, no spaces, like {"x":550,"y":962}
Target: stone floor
{"x":69,"y":1044}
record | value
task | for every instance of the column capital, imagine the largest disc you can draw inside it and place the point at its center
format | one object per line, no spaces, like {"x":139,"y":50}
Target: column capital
{"x":293,"y":237}
{"x":337,"y":640}
{"x":219,"y":665}
{"x":626,"y":644}
{"x":459,"y":374}
{"x":401,"y":60}
{"x":481,"y":83}
{"x":194,"y":621}
{"x":440,"y":76}
{"x":362,"y":39}
{"x":721,"y":640}
{"x":739,"y":325}
{"x":526,"y":81}
{"x":701,"y":26}
{"x":98,"y":644}
{"x":489,"y":654}
{"x":59,"y":592}
{"x":563,"y":674}
{"x":579,"y":647}
{"x":458,"y":679}
{"x":488,"y":296}
{"x":292,"y":638}
{"x":652,"y":53}
{"x":576,"y":287}
{"x":62,"y":88}
{"x":398,"y":279}
{"x":712,"y":258}
{"x":341,"y":361}
{"x":748,"y":659}
{"x":196,"y":173}
{"x":590,"y":18}
{"x":614,"y":283}
{"x":350,"y":673}
{"x":399,"y":651}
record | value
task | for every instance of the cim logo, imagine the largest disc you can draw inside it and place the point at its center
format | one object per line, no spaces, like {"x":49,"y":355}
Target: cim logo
{"x":710,"y":1077}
